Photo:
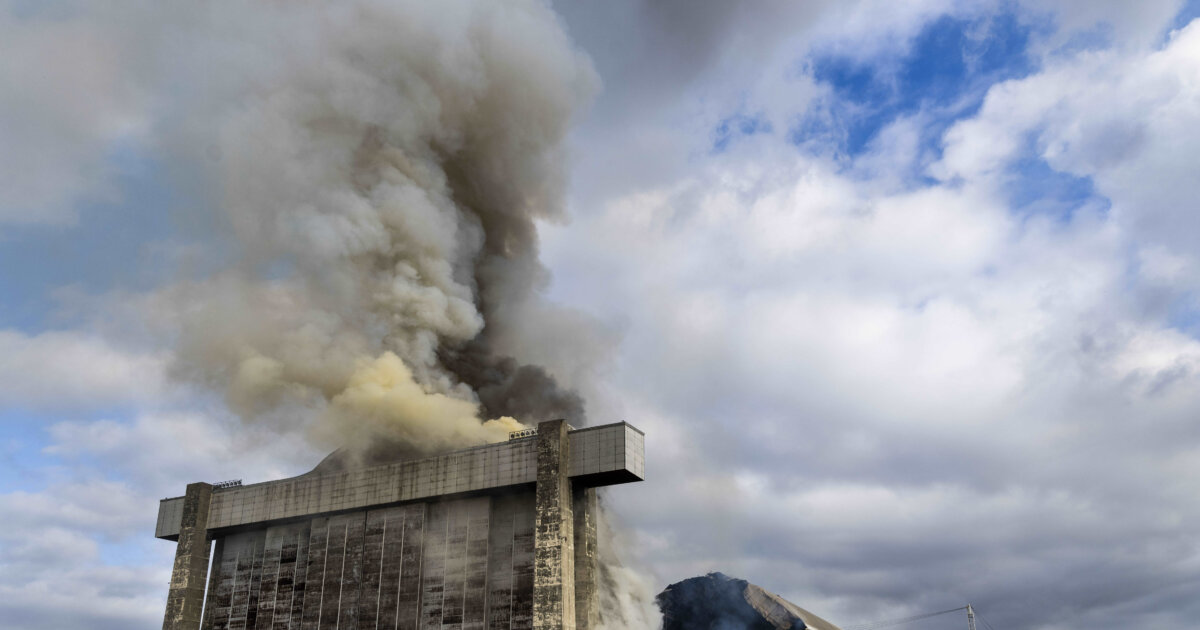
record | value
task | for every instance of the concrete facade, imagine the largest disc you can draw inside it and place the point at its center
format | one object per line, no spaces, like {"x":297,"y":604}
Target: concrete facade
{"x":498,"y":536}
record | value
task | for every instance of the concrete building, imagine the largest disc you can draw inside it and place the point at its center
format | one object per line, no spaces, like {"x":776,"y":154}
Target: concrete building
{"x":491,"y":537}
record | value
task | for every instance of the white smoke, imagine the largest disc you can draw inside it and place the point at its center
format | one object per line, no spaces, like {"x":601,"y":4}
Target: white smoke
{"x":626,"y":592}
{"x":380,"y":167}
{"x":376,"y":170}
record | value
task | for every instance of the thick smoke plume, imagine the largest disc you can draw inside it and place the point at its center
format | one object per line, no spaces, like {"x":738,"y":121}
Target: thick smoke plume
{"x":382,"y":166}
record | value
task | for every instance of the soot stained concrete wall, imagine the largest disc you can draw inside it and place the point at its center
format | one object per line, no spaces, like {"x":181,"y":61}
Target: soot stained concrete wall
{"x":495,"y":537}
{"x":464,"y":564}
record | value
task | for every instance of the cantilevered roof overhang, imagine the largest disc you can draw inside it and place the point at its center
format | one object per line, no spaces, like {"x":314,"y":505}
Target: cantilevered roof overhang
{"x":599,"y":456}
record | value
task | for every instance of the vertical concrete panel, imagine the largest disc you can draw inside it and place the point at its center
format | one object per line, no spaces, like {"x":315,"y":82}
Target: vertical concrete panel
{"x":210,"y":605}
{"x":299,"y":581}
{"x":220,"y":595}
{"x":269,"y":582}
{"x":476,"y":569}
{"x":185,"y":598}
{"x":237,"y":585}
{"x":318,"y":542}
{"x":408,"y":604}
{"x":433,"y":563}
{"x":554,"y":540}
{"x":587,"y":604}
{"x":454,"y":591}
{"x":391,"y":568}
{"x":352,"y":573}
{"x":433,"y":567}
{"x":500,"y":563}
{"x":276,"y":601}
{"x":331,"y":578}
{"x":239,"y":594}
{"x":391,"y":563}
{"x":255,"y":588}
{"x":343,"y":572}
{"x":523,"y":569}
{"x":275,"y":607}
{"x":375,"y":569}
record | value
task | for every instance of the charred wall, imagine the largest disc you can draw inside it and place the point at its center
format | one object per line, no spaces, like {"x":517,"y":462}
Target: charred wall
{"x":491,"y":537}
{"x":465,"y":563}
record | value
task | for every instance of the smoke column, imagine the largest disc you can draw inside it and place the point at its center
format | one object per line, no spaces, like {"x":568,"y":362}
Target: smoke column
{"x":381,"y":167}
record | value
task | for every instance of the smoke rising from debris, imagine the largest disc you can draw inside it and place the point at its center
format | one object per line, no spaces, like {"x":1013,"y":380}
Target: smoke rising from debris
{"x":382,"y":167}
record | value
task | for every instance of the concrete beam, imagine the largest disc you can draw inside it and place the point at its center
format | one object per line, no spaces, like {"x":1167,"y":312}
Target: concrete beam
{"x":185,"y":599}
{"x":554,"y":537}
{"x":603,"y":455}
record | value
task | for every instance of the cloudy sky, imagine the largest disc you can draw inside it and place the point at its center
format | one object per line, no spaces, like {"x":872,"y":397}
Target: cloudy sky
{"x":904,"y":295}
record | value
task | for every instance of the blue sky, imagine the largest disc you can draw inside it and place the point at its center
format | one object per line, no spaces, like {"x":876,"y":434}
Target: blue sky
{"x":940,"y":76}
{"x":109,"y":246}
{"x":896,"y":290}
{"x":945,"y":69}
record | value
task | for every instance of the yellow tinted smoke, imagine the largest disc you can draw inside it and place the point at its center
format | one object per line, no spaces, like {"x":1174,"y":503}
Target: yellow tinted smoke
{"x":383,"y":400}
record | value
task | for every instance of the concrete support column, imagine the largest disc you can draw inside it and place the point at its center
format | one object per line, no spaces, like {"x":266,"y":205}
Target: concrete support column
{"x":185,"y":600}
{"x":554,"y":537}
{"x":587,"y":566}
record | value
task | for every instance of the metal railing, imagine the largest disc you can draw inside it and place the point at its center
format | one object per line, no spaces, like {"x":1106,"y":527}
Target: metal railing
{"x":523,"y":433}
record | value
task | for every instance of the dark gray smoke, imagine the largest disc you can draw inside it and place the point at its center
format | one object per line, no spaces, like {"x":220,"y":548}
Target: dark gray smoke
{"x":382,"y":167}
{"x":507,"y":388}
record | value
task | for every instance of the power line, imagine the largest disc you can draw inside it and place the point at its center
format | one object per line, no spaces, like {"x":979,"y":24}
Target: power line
{"x":896,"y":622}
{"x":985,"y":621}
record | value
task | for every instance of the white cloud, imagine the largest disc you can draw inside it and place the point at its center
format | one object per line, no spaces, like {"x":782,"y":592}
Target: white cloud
{"x":67,"y":101}
{"x":52,"y":573}
{"x":865,"y":393}
{"x":1124,"y":24}
{"x":165,"y":450}
{"x":94,"y":507}
{"x":80,"y":552}
{"x":73,"y":370}
{"x":1127,"y":120}
{"x":98,"y":597}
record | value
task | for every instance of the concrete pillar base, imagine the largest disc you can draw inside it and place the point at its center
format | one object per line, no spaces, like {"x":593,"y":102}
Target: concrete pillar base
{"x":587,"y":567}
{"x":554,"y":536}
{"x":185,"y":599}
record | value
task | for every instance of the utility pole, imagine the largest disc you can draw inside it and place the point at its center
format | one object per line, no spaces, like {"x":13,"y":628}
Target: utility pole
{"x":970,"y":618}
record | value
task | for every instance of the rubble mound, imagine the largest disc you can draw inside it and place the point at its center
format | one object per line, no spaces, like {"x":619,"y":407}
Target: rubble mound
{"x":719,"y":602}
